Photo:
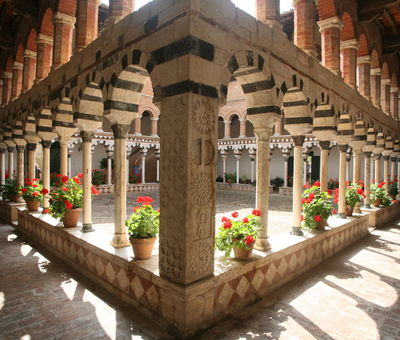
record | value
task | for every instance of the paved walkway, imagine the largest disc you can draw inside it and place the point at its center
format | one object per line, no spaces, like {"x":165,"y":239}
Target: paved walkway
{"x":353,"y":296}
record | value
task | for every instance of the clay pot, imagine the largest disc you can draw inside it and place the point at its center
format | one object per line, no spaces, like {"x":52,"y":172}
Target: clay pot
{"x":70,"y":219}
{"x":241,"y":253}
{"x":321,"y":225}
{"x":142,"y":247}
{"x":377,"y":203}
{"x":33,"y":205}
{"x":349,"y":210}
{"x":16,"y":198}
{"x":393,"y":197}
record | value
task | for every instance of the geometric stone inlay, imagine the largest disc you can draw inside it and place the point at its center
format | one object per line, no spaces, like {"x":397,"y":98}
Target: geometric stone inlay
{"x":137,"y":287}
{"x":242,"y":287}
{"x":225,"y":295}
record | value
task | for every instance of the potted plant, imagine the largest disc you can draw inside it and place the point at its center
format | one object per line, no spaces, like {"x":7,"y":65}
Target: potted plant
{"x":9,"y":189}
{"x":277,"y":182}
{"x":33,"y":193}
{"x":238,"y":234}
{"x":378,"y":195}
{"x":67,"y":200}
{"x":354,"y":195}
{"x":393,"y":189}
{"x":230,"y":178}
{"x":317,"y":207}
{"x":143,"y":226}
{"x":98,"y":176}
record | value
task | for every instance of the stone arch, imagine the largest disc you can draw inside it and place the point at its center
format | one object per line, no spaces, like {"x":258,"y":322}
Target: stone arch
{"x":297,"y":111}
{"x":326,"y":9}
{"x":89,"y":114}
{"x":348,"y":30}
{"x":234,"y":119}
{"x":63,"y":122}
{"x":46,"y":24}
{"x":221,"y":127}
{"x":31,"y":40}
{"x":145,"y":122}
{"x":67,"y":7}
{"x":363,"y":49}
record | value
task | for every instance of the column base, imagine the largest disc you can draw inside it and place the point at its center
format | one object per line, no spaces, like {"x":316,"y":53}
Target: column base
{"x":87,"y":228}
{"x":342,"y":215}
{"x":262,"y":244}
{"x":296,"y":231}
{"x":120,"y":241}
{"x":367,"y":206}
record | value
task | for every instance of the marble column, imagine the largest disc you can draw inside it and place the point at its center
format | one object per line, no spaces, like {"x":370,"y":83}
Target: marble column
{"x":305,"y":166}
{"x":238,"y":156}
{"x":372,"y":174}
{"x":297,"y":183}
{"x":367,"y":179}
{"x":323,"y":169}
{"x":31,"y":160}
{"x":70,"y":162}
{"x":87,"y":137}
{"x":342,"y":180}
{"x":357,"y":165}
{"x":285,"y":156}
{"x":109,"y":167}
{"x":386,"y":168}
{"x":46,"y":170}
{"x":120,"y":238}
{"x":63,"y":157}
{"x":242,"y":128}
{"x":2,"y":165}
{"x":224,"y":156}
{"x":393,"y":168}
{"x":20,"y":165}
{"x":377,"y":168}
{"x":227,"y":131}
{"x":143,"y":155}
{"x":10,"y":151}
{"x":154,"y":124}
{"x":157,"y":155}
{"x":348,"y":160}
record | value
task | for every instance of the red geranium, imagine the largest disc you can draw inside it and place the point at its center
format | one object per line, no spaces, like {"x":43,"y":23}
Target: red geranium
{"x":235,"y":214}
{"x":227,"y":224}
{"x":317,"y":218}
{"x":64,"y":179}
{"x":24,"y":190}
{"x":334,"y":211}
{"x":64,"y":189}
{"x":256,"y":212}
{"x":317,"y":184}
{"x":44,"y":191}
{"x":45,"y":211}
{"x":35,"y":193}
{"x":249,"y":240}
{"x":145,"y":200}
{"x":245,"y":220}
{"x":95,"y":191}
{"x":68,"y":205}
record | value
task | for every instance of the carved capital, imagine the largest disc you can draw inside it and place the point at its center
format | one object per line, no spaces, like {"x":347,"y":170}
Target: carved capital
{"x":343,"y":148}
{"x":64,"y":19}
{"x":31,"y":146}
{"x":30,"y":54}
{"x":365,"y":59}
{"x":298,"y":140}
{"x":46,"y":144}
{"x":325,"y":145}
{"x":87,"y":136}
{"x":386,"y":158}
{"x":367,"y":154}
{"x":376,"y":72}
{"x":120,"y":131}
{"x":20,"y":148}
{"x":10,"y":149}
{"x":333,"y":22}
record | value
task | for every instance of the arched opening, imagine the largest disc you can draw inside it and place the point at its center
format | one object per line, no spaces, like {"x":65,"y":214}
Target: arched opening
{"x":146,"y":123}
{"x":67,"y":7}
{"x":249,"y":129}
{"x":221,"y":127}
{"x":326,"y":9}
{"x":347,"y":31}
{"x":47,"y":27}
{"x":362,"y":46}
{"x":235,"y":126}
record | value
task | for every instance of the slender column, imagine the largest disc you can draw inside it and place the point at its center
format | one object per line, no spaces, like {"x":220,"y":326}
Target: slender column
{"x":157,"y":154}
{"x":297,"y":183}
{"x":109,"y":167}
{"x":7,"y":85}
{"x":63,"y":157}
{"x":376,"y":86}
{"x":242,"y":128}
{"x":268,"y":11}
{"x":87,"y":137}
{"x":2,"y":166}
{"x":10,"y":160}
{"x":44,"y":56}
{"x":120,"y":239}
{"x":1,"y":91}
{"x":357,"y":166}
{"x":348,"y":160}
{"x":252,"y":160}
{"x":29,"y":72}
{"x":342,"y":181}
{"x":393,"y":169}
{"x":70,"y":162}
{"x":330,"y":39}
{"x":377,"y":168}
{"x":364,"y":75}
{"x":323,"y":170}
{"x":20,"y":165}
{"x":394,"y":102}
{"x":348,"y":50}
{"x":154,"y":124}
{"x":31,"y":160}
{"x":227,"y":131}
{"x":372,"y":174}
{"x":143,"y":154}
{"x":367,"y":179}
{"x":238,"y":155}
{"x":305,"y":166}
{"x":398,"y":170}
{"x":17,"y":80}
{"x":285,"y":168}
{"x":386,"y":168}
{"x":63,"y":30}
{"x":304,"y":19}
{"x":385,"y":95}
{"x":127,"y":168}
{"x":138,"y":126}
{"x":224,"y":156}
{"x":88,"y":16}
{"x":46,"y":170}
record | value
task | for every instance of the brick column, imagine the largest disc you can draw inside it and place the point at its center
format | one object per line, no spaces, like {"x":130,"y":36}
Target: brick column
{"x":87,"y":22}
{"x":330,"y":43}
{"x":304,"y":19}
{"x":44,"y":56}
{"x":376,"y":86}
{"x":268,"y":11}
{"x":118,"y":9}
{"x":29,"y":72}
{"x":7,"y":79}
{"x":385,"y":95}
{"x":394,"y":102}
{"x":16,"y":79}
{"x":363,"y":76}
{"x":348,"y":61}
{"x":63,"y":29}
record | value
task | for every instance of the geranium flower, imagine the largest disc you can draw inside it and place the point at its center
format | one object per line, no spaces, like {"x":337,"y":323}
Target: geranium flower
{"x":304,"y":200}
{"x":305,"y":186}
{"x":360,"y":191}
{"x":311,"y":196}
{"x":95,"y":191}
{"x":76,"y":180}
{"x":28,"y":183}
{"x":330,"y":192}
{"x":224,"y":219}
{"x":235,"y":214}
{"x":317,"y":218}
{"x":64,"y":179}
{"x":34,"y":185}
{"x":317,"y":184}
{"x":301,"y":217}
{"x":228,"y":224}
{"x":256,"y":212}
{"x":35,"y":193}
{"x":59,"y":175}
{"x":45,"y":211}
{"x":249,"y":240}
{"x":65,"y":189}
{"x":394,"y":201}
{"x":245,"y":220}
{"x":24,"y":190}
{"x":35,"y":180}
{"x":80,"y":175}
{"x":135,"y":209}
{"x":334,"y":211}
{"x":68,"y":205}
{"x":44,"y":191}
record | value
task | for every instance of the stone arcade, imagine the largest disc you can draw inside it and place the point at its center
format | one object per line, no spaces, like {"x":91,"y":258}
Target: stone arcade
{"x":183,"y":61}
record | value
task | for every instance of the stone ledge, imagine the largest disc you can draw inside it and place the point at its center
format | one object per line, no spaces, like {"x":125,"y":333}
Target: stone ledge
{"x":379,"y":217}
{"x":9,"y":211}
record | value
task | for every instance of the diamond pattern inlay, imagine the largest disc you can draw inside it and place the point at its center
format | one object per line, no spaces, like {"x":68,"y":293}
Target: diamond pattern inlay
{"x":137,"y":287}
{"x":226,"y":294}
{"x":242,"y":287}
{"x":257,"y":279}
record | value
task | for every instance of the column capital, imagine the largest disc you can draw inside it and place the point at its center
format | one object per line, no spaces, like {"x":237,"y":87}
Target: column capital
{"x":18,"y":66}
{"x":365,"y":59}
{"x":386,"y":157}
{"x":343,"y":148}
{"x":20,"y":148}
{"x":120,"y":131}
{"x":46,"y":144}
{"x":385,"y":81}
{"x":298,"y":140}
{"x":87,"y":136}
{"x":64,"y":18}
{"x":30,"y":54}
{"x":10,"y":149}
{"x":154,"y":119}
{"x":44,"y":39}
{"x":376,"y":72}
{"x":7,"y":75}
{"x":394,"y":89}
{"x":325,"y":145}
{"x":349,"y":44}
{"x":143,"y":152}
{"x":31,"y":146}
{"x":333,"y":22}
{"x":367,"y":154}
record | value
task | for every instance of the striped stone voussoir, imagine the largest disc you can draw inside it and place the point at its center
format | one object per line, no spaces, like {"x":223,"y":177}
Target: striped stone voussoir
{"x":8,"y":136}
{"x":89,"y":115}
{"x":298,"y":119}
{"x":324,"y":124}
{"x":345,"y":129}
{"x":29,"y":130}
{"x":17,"y":133}
{"x":63,"y":124}
{"x":45,"y":125}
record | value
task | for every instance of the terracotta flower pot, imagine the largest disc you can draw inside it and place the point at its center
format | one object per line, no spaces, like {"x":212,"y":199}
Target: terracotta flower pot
{"x":142,"y":247}
{"x":33,"y":205}
{"x":241,"y":253}
{"x":377,"y":203}
{"x":70,"y":219}
{"x":321,"y":225}
{"x":349,"y":210}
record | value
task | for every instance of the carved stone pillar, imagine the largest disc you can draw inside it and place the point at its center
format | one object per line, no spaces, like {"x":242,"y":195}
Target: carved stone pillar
{"x":238,"y":156}
{"x":367,"y":179}
{"x":330,"y":39}
{"x":376,"y":87}
{"x":323,"y":170}
{"x":227,"y":131}
{"x":44,"y":56}
{"x":120,"y":239}
{"x":143,"y":155}
{"x":364,"y":76}
{"x":46,"y":170}
{"x":29,"y":73}
{"x":297,"y":183}
{"x":348,"y":51}
{"x":87,"y":137}
{"x":377,"y":168}
{"x":342,"y":180}
{"x":157,"y":155}
{"x":357,"y":166}
{"x":31,"y":160}
{"x":63,"y":29}
{"x":10,"y":160}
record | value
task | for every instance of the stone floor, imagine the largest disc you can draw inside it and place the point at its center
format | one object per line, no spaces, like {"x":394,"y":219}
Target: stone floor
{"x":279,"y":218}
{"x":353,"y":296}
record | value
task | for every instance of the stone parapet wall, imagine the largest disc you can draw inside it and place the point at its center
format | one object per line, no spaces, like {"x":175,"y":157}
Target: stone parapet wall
{"x":109,"y":189}
{"x":380,"y":217}
{"x":9,"y":211}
